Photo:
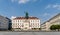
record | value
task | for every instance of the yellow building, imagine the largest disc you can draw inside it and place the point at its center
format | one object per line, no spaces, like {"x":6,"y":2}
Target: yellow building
{"x":53,"y":21}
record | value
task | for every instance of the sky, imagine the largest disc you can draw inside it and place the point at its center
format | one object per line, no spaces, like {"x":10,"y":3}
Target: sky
{"x":43,"y":9}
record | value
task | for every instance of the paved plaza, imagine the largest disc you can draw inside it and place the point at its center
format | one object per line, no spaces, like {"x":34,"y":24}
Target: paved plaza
{"x":29,"y":33}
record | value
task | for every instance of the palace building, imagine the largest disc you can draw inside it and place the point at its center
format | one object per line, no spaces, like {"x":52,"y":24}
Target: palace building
{"x":25,"y":23}
{"x":22,"y":23}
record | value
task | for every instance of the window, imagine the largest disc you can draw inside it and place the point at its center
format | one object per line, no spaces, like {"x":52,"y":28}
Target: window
{"x":30,"y":25}
{"x":33,"y":23}
{"x":18,"y":20}
{"x":26,"y":24}
{"x":31,"y":20}
{"x":15,"y":20}
{"x":18,"y":23}
{"x":22,"y":25}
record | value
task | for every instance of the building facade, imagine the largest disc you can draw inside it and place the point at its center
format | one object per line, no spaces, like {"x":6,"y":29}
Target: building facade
{"x":9,"y":23}
{"x":4,"y":23}
{"x":21,"y":23}
{"x":53,"y":21}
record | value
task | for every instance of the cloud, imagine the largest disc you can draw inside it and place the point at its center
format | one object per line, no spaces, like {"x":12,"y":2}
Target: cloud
{"x":22,"y":1}
{"x":48,"y":6}
{"x":46,"y":14}
{"x":34,"y":0}
{"x":13,"y":0}
{"x":56,"y":6}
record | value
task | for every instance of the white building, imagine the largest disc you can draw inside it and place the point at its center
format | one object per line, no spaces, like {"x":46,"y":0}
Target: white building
{"x":4,"y":22}
{"x":53,"y":21}
{"x":21,"y":23}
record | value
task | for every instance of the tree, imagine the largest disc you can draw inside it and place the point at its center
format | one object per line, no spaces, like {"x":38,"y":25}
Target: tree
{"x":54,"y":27}
{"x":26,"y":15}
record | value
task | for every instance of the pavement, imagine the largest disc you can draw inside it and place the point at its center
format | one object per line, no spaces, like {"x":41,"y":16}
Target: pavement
{"x":29,"y":33}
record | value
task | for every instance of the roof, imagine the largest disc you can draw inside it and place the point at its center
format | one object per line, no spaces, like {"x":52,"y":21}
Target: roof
{"x":25,"y":18}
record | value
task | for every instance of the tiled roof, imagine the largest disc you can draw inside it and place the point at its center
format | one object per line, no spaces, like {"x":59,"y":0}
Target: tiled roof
{"x":25,"y":18}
